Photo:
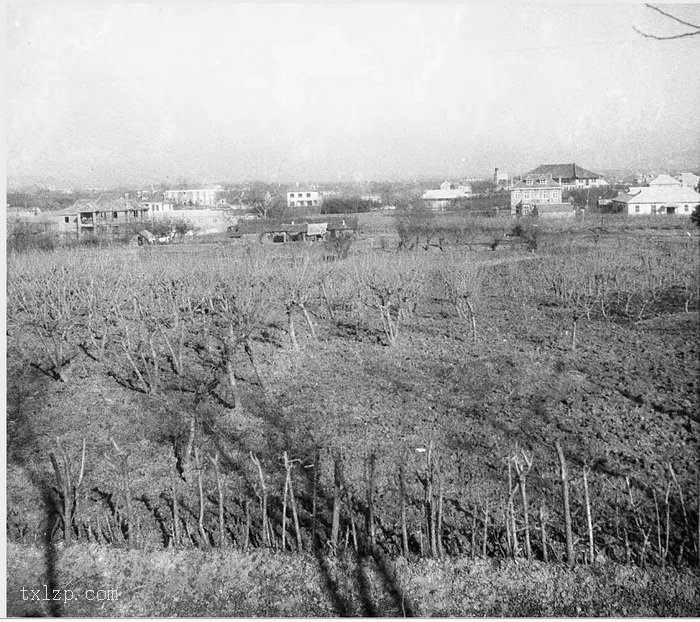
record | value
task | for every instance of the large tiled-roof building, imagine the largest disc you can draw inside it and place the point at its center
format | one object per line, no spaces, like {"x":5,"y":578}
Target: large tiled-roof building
{"x":569,"y":176}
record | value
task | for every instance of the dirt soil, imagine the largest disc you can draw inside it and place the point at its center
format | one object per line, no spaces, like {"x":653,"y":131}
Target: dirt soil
{"x":625,"y":403}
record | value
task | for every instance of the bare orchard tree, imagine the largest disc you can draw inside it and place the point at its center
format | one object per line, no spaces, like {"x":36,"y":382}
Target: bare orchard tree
{"x":393,"y":291}
{"x":462,"y":283}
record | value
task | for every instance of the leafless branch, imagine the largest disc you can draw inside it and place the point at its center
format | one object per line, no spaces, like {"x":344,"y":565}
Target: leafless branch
{"x":675,"y":19}
{"x":650,"y":36}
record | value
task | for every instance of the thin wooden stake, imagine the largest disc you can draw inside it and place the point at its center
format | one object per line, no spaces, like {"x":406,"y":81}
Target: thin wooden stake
{"x":686,"y":533}
{"x":545,"y":554}
{"x":439,"y":521}
{"x":589,"y":520}
{"x":404,"y":531}
{"x":284,"y":507}
{"x":263,"y":500}
{"x":335,"y":524}
{"x":486,"y":530}
{"x":658,"y":529}
{"x":220,"y":493}
{"x":511,"y":511}
{"x":200,"y":518}
{"x":570,"y":559}
{"x":698,"y":517}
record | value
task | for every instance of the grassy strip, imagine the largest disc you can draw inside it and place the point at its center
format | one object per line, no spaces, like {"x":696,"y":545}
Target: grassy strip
{"x":195,"y":583}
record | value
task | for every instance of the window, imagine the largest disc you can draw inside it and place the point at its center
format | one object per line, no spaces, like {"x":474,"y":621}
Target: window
{"x":291,"y":204}
{"x":529,"y":182}
{"x":685,"y":208}
{"x":543,"y":180}
{"x":636,"y":209}
{"x":66,"y":219}
{"x":653,"y":209}
{"x":308,"y":194}
{"x":115,"y":215}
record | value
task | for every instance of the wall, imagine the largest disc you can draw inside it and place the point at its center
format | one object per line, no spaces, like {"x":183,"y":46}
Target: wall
{"x":206,"y":220}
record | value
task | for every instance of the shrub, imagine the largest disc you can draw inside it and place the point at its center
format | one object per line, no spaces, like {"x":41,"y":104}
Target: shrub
{"x":528,"y":232}
{"x":24,"y":237}
{"x":695,"y":216}
{"x":346,"y":205}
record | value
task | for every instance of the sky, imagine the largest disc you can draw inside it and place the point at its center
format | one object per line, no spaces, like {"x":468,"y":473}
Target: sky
{"x":109,"y":94}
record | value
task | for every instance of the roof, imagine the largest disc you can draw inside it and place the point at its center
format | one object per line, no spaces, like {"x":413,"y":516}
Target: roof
{"x":689,"y":179}
{"x":145,"y":233}
{"x":564,"y":171}
{"x":103,"y":203}
{"x":549,"y":184}
{"x":303,"y":190}
{"x":660,"y":194}
{"x":664,"y":180}
{"x":435,"y":195}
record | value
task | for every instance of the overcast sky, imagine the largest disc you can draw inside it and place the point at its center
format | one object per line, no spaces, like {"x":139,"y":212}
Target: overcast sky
{"x":114,"y":93}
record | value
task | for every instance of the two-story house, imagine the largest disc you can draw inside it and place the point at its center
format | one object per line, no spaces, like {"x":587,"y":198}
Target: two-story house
{"x":538,"y":190}
{"x":300,"y":197}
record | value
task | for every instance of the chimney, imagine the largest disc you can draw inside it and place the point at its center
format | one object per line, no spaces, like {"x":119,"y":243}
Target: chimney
{"x":495,"y":177}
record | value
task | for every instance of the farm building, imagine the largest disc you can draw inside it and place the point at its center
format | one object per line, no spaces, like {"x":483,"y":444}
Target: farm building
{"x":304,"y":229}
{"x":446,"y":196}
{"x":144,"y":238}
{"x":104,"y":215}
{"x":678,"y":200}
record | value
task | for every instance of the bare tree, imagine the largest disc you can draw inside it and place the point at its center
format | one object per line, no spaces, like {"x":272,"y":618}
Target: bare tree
{"x":692,"y":33}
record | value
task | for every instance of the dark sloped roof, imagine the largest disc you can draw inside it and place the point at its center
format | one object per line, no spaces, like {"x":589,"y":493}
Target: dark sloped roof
{"x":568,"y":171}
{"x":103,"y":204}
{"x":550,"y":183}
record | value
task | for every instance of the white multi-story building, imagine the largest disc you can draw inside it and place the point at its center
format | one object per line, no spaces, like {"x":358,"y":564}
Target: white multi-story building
{"x":300,"y":197}
{"x":201,"y":196}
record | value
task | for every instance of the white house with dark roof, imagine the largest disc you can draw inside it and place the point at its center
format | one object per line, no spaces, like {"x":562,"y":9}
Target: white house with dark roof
{"x":655,"y":200}
{"x":569,"y":176}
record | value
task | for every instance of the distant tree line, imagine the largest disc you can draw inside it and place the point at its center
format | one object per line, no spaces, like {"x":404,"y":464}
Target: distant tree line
{"x":346,"y":205}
